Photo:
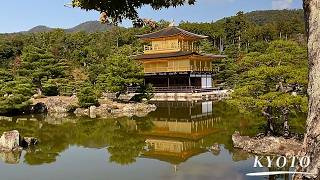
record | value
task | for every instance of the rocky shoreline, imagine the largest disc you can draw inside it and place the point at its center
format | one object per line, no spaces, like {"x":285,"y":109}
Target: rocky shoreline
{"x":267,"y":145}
{"x":59,"y":105}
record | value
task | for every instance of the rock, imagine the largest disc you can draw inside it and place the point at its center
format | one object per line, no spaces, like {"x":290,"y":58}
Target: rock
{"x":37,"y":96}
{"x":57,"y":104}
{"x":110,"y":108}
{"x":215,"y":149}
{"x":29,"y":141}
{"x":38,"y":108}
{"x":59,"y":118}
{"x":4,"y":118}
{"x":10,"y":141}
{"x":62,"y":104}
{"x":267,"y":145}
{"x":92,"y":112}
{"x":81,"y":112}
{"x":12,"y":157}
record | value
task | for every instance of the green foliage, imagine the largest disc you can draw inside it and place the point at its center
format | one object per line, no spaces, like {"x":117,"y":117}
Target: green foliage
{"x":15,"y":96}
{"x":50,"y":90}
{"x":122,"y":72}
{"x":5,"y":76}
{"x":144,"y":92}
{"x":260,"y":46}
{"x":250,"y":32}
{"x":41,"y":66}
{"x":117,"y":10}
{"x":125,"y":147}
{"x":87,"y":97}
{"x":274,"y":82}
{"x":225,"y":72}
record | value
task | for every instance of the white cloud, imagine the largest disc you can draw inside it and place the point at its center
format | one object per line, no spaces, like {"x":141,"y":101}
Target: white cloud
{"x":281,"y":4}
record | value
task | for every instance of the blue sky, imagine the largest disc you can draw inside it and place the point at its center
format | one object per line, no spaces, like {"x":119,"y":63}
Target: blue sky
{"x":19,"y":15}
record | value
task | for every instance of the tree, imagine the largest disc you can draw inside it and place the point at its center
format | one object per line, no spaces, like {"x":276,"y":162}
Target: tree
{"x":41,"y":66}
{"x":311,"y":140}
{"x":87,"y":97}
{"x":266,"y":85}
{"x":122,"y":72}
{"x":15,"y":95}
{"x":120,"y":9}
{"x":144,"y":92}
{"x":125,"y":145}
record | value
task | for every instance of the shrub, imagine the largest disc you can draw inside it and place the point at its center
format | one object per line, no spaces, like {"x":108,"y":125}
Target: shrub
{"x":50,"y":90}
{"x":144,"y":92}
{"x":87,"y":97}
{"x":66,"y":90}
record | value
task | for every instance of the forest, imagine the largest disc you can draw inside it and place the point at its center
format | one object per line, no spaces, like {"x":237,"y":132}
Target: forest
{"x":261,"y":47}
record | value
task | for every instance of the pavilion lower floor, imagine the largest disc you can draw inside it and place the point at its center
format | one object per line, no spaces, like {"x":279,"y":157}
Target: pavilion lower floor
{"x":179,"y":82}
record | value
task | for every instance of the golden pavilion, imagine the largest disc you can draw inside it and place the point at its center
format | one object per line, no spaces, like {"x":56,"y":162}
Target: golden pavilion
{"x":172,"y":61}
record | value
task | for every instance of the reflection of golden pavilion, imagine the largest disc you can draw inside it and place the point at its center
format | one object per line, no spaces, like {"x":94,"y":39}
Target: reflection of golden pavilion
{"x":172,"y":150}
{"x":172,"y":146}
{"x":179,"y":131}
{"x":183,"y":120}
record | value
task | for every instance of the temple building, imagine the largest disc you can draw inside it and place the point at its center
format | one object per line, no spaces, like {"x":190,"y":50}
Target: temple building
{"x":172,"y":61}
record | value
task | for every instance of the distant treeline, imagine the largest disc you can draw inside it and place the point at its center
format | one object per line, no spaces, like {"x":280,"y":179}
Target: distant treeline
{"x":244,"y":29}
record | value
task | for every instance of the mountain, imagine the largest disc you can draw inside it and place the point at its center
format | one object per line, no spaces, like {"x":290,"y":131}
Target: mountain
{"x":89,"y":26}
{"x":258,"y":17}
{"x":274,"y":16}
{"x":40,"y":29}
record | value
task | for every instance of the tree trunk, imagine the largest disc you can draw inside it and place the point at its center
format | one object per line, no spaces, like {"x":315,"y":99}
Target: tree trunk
{"x":266,"y":112}
{"x":286,"y":132}
{"x":221,"y":45}
{"x":312,"y":137}
{"x":239,"y":42}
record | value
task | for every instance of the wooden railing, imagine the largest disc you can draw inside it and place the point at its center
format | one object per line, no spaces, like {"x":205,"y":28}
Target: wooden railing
{"x":177,"y":69}
{"x":179,"y":47}
{"x":176,"y":89}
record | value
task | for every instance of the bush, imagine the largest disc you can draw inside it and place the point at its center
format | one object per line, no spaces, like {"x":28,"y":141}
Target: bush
{"x":50,"y":90}
{"x":144,"y":92}
{"x":66,"y":90}
{"x":15,"y":96}
{"x":87,"y":97}
{"x":71,"y":108}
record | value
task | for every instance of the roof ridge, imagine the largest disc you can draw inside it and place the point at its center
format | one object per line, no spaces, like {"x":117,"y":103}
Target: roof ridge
{"x":170,"y":31}
{"x":187,"y":32}
{"x":154,"y":31}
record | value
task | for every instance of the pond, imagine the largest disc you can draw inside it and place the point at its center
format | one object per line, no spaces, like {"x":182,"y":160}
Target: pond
{"x":180,"y":141}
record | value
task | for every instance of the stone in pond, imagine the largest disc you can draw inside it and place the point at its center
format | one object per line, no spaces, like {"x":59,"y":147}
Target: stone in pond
{"x":29,"y":141}
{"x":93,"y":112}
{"x":12,"y":157}
{"x":10,"y":141}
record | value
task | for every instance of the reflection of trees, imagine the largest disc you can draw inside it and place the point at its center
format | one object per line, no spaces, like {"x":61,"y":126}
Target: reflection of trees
{"x":40,"y":157}
{"x":10,"y":157}
{"x":124,"y":145}
{"x":143,"y":123}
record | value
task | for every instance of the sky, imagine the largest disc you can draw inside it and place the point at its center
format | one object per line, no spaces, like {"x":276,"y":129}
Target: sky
{"x":21,"y":15}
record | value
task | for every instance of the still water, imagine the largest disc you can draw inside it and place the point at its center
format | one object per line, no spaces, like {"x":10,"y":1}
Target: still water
{"x":179,"y":141}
